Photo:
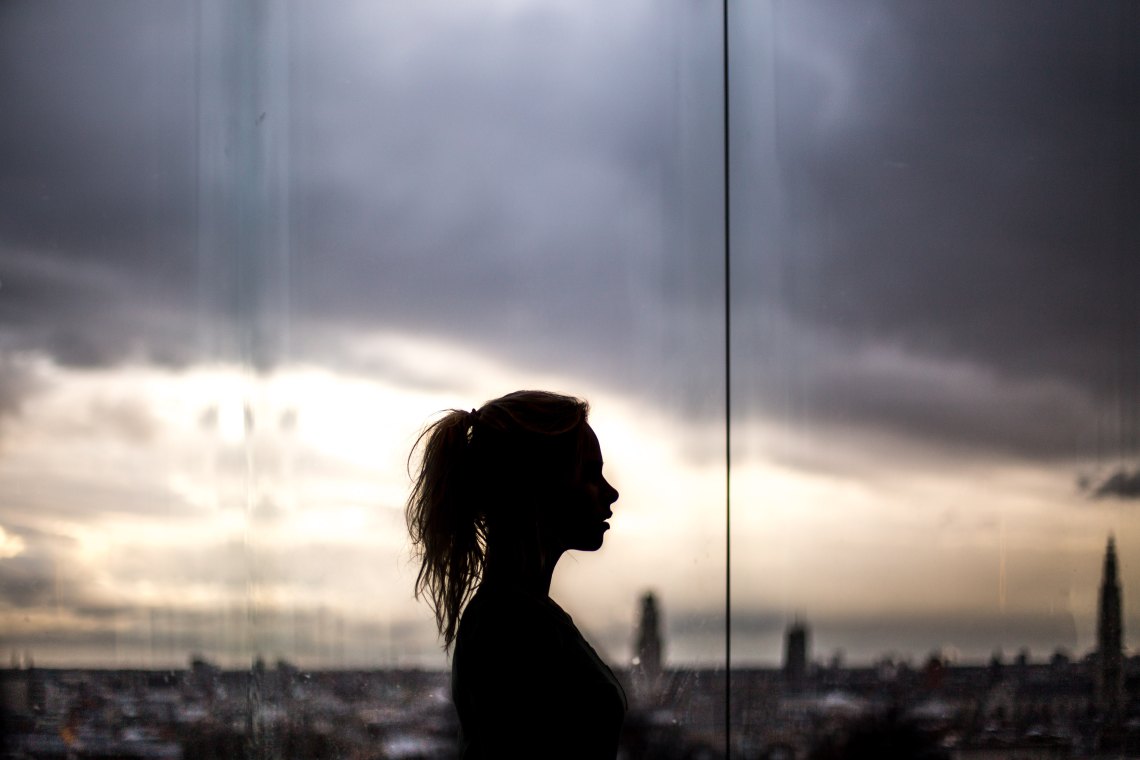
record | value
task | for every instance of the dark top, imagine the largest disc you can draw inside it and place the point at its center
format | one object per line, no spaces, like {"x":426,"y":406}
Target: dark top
{"x":526,"y":684}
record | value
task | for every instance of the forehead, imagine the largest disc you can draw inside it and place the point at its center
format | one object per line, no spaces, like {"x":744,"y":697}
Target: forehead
{"x":591,"y":448}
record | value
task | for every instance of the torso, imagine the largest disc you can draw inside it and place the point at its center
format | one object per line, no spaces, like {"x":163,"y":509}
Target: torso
{"x":526,"y":683}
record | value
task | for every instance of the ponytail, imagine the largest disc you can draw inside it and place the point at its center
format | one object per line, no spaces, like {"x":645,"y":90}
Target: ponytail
{"x":444,"y":521}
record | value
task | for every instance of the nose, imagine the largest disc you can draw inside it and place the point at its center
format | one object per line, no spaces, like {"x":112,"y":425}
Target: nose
{"x":613,"y":492}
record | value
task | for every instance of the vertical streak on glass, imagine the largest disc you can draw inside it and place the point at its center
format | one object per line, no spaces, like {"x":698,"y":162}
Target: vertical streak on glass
{"x":1126,"y":237}
{"x":759,"y":338}
{"x":243,"y":253}
{"x":727,"y":402}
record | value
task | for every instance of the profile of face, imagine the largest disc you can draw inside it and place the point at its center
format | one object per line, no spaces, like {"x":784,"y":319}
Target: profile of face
{"x":578,"y":514}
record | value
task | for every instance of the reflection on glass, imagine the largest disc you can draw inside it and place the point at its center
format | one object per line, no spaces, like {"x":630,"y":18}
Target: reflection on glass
{"x":935,"y":378}
{"x":249,"y":250}
{"x":246,"y":251}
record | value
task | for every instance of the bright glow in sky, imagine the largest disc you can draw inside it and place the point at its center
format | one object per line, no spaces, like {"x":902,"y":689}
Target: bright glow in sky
{"x":155,"y":520}
{"x":296,"y":503}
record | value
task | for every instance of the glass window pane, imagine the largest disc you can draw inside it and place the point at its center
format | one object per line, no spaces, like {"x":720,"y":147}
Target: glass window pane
{"x":935,"y":370}
{"x":248,"y":251}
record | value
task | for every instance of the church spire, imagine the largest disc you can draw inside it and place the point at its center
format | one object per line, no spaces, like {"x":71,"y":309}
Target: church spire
{"x":1110,"y":561}
{"x":1110,"y":637}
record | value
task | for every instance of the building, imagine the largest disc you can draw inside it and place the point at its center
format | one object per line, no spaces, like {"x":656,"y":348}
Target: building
{"x":1110,"y":639}
{"x":796,"y":641}
{"x":647,"y":660}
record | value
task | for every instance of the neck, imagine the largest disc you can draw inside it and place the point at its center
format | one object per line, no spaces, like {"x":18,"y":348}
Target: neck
{"x":516,"y":567}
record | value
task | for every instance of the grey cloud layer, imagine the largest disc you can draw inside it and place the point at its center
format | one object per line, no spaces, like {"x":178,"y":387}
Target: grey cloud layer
{"x":985,"y":207}
{"x":950,"y":182}
{"x":955,"y":184}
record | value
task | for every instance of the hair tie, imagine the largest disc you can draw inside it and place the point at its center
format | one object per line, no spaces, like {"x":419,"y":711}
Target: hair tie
{"x":472,"y":418}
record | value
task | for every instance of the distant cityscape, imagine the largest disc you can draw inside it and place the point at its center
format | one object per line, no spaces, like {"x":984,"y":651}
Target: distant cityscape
{"x":1064,"y":707}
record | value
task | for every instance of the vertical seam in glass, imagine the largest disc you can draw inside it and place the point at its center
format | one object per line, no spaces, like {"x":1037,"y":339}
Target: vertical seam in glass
{"x":727,"y":408}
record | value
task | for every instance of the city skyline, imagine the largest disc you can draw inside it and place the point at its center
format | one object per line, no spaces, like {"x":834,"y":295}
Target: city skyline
{"x":245,"y":257}
{"x":646,"y":659}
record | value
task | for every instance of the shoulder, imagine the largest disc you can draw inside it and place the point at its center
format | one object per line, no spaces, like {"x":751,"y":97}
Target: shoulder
{"x":508,"y":648}
{"x":505,"y":624}
{"x":510,"y":612}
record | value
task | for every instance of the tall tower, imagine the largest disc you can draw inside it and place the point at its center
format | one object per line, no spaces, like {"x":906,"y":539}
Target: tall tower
{"x":1109,"y":638}
{"x":796,"y":654}
{"x":647,"y":659}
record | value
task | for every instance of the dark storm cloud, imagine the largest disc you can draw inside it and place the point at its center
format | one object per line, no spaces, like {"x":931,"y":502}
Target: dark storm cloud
{"x":531,"y":197}
{"x":1121,"y":484}
{"x":100,"y":110}
{"x":958,"y":181}
{"x":495,"y":178}
{"x":952,"y":181}
{"x":982,"y":205}
{"x":95,"y":254}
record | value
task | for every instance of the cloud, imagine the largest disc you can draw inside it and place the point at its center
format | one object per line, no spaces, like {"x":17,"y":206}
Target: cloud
{"x":20,"y":379}
{"x":1122,"y":484}
{"x":912,"y":194}
{"x":524,"y":184}
{"x":25,"y":582}
{"x":967,"y":406}
{"x":518,"y":204}
{"x":973,"y":205}
{"x":39,"y":574}
{"x":96,"y":217}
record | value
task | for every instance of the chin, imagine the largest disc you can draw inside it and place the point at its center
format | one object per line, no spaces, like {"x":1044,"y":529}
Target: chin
{"x":591,"y":544}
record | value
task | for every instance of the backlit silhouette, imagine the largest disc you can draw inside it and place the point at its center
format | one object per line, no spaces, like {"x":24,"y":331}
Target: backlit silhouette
{"x":501,"y":492}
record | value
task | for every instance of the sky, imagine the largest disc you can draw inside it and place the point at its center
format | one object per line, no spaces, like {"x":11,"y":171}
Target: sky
{"x":246,"y":253}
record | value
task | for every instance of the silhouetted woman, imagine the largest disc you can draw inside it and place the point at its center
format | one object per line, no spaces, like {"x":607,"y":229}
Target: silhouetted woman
{"x":501,"y":492}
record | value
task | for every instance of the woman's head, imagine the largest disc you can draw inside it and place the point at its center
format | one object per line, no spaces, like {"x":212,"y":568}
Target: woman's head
{"x":520,"y":446}
{"x":521,"y":474}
